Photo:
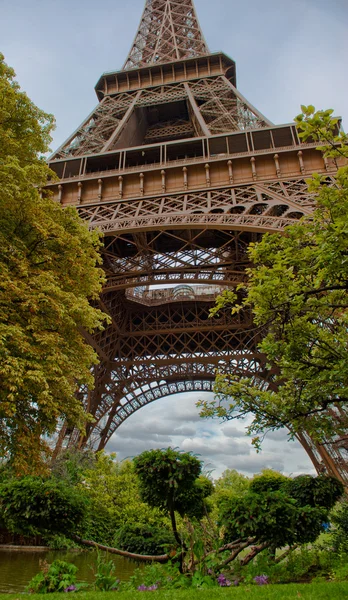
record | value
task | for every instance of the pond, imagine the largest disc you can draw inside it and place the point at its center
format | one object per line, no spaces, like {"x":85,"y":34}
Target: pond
{"x":17,"y":567}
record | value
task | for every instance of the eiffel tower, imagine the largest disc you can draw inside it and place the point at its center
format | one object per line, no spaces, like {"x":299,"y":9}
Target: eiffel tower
{"x":180,"y":172}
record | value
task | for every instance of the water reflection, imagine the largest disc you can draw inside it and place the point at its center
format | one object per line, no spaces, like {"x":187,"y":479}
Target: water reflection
{"x":18,"y":567}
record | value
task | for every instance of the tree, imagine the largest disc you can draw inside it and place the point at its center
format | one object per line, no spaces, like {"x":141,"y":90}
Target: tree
{"x":32,"y":505}
{"x":277,"y":512}
{"x":170,"y":480}
{"x":49,"y":274}
{"x":231,"y":483}
{"x":115,"y":502}
{"x":297,"y":291}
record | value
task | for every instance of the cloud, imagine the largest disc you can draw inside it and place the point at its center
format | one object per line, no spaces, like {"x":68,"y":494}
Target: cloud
{"x":174,"y":421}
{"x":132,"y":447}
{"x":215,"y":448}
{"x":255,"y":463}
{"x":186,"y":431}
{"x":280,"y":435}
{"x":230,"y":430}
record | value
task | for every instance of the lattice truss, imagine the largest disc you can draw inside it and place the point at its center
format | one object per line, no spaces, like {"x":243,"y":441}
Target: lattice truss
{"x":178,"y":256}
{"x":160,"y":381}
{"x":169,"y":131}
{"x":333,"y":455}
{"x":270,"y":205}
{"x":221,"y":107}
{"x":130,"y":384}
{"x":169,"y":30}
{"x":149,"y":350}
{"x":98,"y":128}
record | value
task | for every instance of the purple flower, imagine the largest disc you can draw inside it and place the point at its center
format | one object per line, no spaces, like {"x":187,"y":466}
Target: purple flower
{"x":236,"y":582}
{"x":261,"y":579}
{"x":71,"y":588}
{"x":150,"y":588}
{"x":222,"y":581}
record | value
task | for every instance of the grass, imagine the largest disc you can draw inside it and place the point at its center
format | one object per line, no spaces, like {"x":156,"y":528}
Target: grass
{"x":293,"y":591}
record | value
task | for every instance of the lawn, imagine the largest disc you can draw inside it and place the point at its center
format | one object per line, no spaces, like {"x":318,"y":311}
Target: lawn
{"x":314,"y":591}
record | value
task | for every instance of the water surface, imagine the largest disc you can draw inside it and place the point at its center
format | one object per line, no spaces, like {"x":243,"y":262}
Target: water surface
{"x":17,"y":567}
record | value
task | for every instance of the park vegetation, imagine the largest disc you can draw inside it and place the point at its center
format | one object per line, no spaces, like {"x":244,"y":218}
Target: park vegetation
{"x":191,"y":531}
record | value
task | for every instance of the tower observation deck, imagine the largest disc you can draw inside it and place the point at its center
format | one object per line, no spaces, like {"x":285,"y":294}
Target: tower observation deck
{"x":180,"y":172}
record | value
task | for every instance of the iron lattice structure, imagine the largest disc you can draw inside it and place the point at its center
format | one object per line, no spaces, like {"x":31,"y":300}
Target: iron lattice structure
{"x":181,"y":173}
{"x":169,"y":30}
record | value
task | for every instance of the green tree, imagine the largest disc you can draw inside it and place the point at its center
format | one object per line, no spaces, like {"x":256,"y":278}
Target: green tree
{"x":32,"y":505}
{"x":268,"y":481}
{"x":278,"y":511}
{"x":169,"y":480}
{"x":115,"y":502}
{"x":49,"y":272}
{"x":297,"y":291}
{"x":232,"y":483}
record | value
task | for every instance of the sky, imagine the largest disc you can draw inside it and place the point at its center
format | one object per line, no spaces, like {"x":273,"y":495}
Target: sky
{"x":288,"y":53}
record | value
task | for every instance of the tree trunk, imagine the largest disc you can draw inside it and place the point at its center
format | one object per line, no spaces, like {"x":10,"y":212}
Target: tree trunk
{"x":162,"y":558}
{"x":255,"y":550}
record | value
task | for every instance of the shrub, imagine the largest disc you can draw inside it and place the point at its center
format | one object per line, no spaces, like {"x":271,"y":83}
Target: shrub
{"x":340,"y":534}
{"x":144,"y":539}
{"x":105,"y":580}
{"x":165,"y":475}
{"x":270,"y":517}
{"x":32,"y":505}
{"x":315,"y":491}
{"x":60,"y":576}
{"x":268,"y":481}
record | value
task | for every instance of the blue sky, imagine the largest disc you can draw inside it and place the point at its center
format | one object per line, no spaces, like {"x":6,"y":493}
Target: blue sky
{"x":288,"y":53}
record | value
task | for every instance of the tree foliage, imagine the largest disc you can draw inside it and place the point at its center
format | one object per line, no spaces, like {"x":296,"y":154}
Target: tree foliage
{"x":232,"y":482}
{"x":278,"y":511}
{"x":268,"y":481}
{"x":152,"y":539}
{"x":115,"y":501}
{"x":170,"y":480}
{"x":49,"y":273}
{"x":297,"y":291}
{"x":167,"y":478}
{"x":32,"y":505}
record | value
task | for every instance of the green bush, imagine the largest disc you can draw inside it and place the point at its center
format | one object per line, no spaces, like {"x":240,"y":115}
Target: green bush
{"x":99,"y":524}
{"x":270,"y":517}
{"x":165,"y":576}
{"x":304,"y":564}
{"x":57,"y":577}
{"x":268,"y":481}
{"x":339,"y":518}
{"x":192,"y":502}
{"x":32,"y":506}
{"x":167,"y":478}
{"x":144,"y":539}
{"x":59,"y":541}
{"x":105,"y":580}
{"x":315,"y":491}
